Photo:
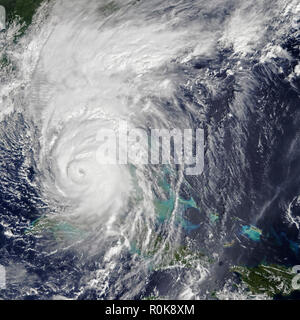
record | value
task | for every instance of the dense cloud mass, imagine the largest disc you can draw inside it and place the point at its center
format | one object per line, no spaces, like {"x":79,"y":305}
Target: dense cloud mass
{"x":70,"y":227}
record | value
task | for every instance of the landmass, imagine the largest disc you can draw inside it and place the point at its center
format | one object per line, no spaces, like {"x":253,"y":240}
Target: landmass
{"x":271,"y":279}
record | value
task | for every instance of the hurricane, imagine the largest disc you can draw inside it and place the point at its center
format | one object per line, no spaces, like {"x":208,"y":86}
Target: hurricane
{"x":72,"y":227}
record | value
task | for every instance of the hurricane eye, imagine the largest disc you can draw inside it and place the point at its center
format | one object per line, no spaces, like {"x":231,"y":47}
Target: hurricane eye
{"x":81,"y":171}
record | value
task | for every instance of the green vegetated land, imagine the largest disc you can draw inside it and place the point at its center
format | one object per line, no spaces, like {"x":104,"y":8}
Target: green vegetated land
{"x":25,"y":9}
{"x":271,"y":280}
